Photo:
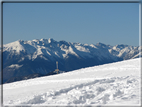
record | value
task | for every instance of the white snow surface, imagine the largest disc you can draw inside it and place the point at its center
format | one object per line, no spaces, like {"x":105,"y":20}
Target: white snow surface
{"x":109,"y":84}
{"x":13,"y":46}
{"x":15,"y":66}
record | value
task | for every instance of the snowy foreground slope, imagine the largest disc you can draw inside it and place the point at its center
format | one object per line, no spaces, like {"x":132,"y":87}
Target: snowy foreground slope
{"x":110,"y":84}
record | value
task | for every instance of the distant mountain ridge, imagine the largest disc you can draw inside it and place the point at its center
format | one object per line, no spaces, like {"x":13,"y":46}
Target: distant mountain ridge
{"x":22,"y":58}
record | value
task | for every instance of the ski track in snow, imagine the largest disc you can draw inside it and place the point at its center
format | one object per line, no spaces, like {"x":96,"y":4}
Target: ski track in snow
{"x":98,"y":91}
{"x":108,"y":89}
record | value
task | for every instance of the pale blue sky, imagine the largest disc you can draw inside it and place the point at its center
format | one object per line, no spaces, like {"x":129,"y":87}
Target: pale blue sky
{"x":109,"y":23}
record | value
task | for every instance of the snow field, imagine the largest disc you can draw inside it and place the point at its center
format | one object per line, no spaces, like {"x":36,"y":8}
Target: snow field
{"x":99,"y":91}
{"x":110,"y":84}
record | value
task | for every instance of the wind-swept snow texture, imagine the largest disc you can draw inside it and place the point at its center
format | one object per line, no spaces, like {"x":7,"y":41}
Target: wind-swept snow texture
{"x":110,"y":84}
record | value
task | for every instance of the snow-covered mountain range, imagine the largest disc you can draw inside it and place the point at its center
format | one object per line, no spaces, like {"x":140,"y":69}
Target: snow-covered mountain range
{"x":22,"y":59}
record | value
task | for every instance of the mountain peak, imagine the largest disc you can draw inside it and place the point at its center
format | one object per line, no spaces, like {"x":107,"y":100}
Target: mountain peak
{"x":42,"y":39}
{"x":50,"y":40}
{"x":64,"y":42}
{"x":121,"y":46}
{"x":20,"y":40}
{"x":101,"y":44}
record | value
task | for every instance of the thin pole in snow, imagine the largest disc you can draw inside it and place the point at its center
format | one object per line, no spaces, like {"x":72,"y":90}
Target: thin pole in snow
{"x":57,"y":64}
